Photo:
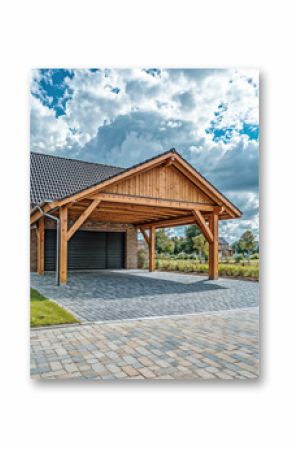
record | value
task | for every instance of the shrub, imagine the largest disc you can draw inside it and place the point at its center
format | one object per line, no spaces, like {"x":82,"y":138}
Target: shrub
{"x":187,"y":266}
{"x":238,"y":258}
{"x":254,"y":256}
{"x":182,"y":256}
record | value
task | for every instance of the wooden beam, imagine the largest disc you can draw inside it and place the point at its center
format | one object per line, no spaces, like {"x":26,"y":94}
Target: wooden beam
{"x":40,"y":246}
{"x":116,"y":218}
{"x":82,"y":218}
{"x":157,"y":202}
{"x":63,"y":245}
{"x":100,"y":211}
{"x":171,"y":222}
{"x":169,"y":162}
{"x":203,"y":226}
{"x":146,"y":238}
{"x":213,"y":247}
{"x":177,"y":221}
{"x":133,"y":208}
{"x":152,"y":249}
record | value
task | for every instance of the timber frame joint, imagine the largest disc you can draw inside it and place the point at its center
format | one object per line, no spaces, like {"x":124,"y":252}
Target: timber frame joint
{"x":82,"y":218}
{"x":203,"y":226}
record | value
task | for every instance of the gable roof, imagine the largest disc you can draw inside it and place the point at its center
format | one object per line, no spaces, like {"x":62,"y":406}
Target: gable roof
{"x":53,"y":177}
{"x":83,"y":177}
{"x":223,"y":241}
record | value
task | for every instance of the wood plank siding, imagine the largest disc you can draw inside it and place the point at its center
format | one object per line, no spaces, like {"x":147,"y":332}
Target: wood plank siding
{"x":163,"y":183}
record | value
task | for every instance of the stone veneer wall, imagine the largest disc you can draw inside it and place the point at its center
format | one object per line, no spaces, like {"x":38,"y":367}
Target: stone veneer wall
{"x":91,"y":225}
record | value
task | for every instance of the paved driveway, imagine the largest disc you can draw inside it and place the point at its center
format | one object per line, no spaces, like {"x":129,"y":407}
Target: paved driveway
{"x":222,"y":345}
{"x":124,"y":294}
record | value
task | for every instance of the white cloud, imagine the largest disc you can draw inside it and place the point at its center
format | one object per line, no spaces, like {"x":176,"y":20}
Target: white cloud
{"x":174,"y":95}
{"x":48,"y":134}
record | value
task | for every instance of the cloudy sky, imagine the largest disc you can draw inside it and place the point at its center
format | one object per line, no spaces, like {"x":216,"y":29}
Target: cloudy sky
{"x":123,"y":116}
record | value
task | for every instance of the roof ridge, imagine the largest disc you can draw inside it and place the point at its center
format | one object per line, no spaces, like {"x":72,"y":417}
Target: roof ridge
{"x":76,"y":160}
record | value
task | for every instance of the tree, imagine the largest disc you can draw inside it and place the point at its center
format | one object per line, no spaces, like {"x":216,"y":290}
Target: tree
{"x":164,"y":245}
{"x":201,"y":244}
{"x":236,"y":247}
{"x":179,"y":244}
{"x":191,"y":232}
{"x":247,"y":242}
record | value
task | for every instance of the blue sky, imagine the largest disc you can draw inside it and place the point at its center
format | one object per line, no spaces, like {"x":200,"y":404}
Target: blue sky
{"x":123,"y":116}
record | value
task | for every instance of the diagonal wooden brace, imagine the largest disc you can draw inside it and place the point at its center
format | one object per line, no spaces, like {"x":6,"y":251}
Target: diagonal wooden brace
{"x":203,"y":226}
{"x":145,"y":235}
{"x":82,"y":218}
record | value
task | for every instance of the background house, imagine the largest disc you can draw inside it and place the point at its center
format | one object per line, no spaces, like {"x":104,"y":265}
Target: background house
{"x":224,"y":248}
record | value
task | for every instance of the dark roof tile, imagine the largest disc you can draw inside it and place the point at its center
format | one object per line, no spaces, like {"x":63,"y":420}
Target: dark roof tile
{"x":53,"y":177}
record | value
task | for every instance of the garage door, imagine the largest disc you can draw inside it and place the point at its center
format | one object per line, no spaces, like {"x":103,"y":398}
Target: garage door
{"x":88,"y":250}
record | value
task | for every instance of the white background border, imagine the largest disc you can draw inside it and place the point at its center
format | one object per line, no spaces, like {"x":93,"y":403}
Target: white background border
{"x":125,"y":33}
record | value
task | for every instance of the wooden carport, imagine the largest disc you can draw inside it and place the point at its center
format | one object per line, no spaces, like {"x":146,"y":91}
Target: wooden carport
{"x":165,"y":191}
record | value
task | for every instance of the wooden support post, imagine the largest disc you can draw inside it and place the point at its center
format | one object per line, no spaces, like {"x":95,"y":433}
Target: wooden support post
{"x":152,"y":249}
{"x":40,"y":246}
{"x":213,"y":247}
{"x":63,"y":245}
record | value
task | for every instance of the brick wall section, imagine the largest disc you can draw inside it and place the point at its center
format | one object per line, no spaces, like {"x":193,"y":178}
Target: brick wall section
{"x":33,"y":250}
{"x":91,"y":225}
{"x":131,"y":254}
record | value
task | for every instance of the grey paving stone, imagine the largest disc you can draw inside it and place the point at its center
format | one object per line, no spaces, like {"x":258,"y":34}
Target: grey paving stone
{"x":121,"y":294}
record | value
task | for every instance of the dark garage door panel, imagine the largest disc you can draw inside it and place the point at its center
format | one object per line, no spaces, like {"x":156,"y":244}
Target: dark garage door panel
{"x":88,"y":250}
{"x":115,"y":249}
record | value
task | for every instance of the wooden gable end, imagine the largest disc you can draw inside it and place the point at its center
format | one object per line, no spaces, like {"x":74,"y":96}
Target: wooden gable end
{"x":164,"y":182}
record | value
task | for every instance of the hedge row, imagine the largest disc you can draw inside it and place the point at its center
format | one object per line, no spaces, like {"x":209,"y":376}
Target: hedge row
{"x":224,"y":269}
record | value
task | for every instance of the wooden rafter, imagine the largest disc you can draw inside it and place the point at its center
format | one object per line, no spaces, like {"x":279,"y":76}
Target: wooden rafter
{"x":82,"y":218}
{"x":203,"y":226}
{"x":187,"y":219}
{"x":169,"y":162}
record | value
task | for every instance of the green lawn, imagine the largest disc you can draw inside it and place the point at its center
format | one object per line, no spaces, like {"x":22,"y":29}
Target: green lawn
{"x":44,"y":312}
